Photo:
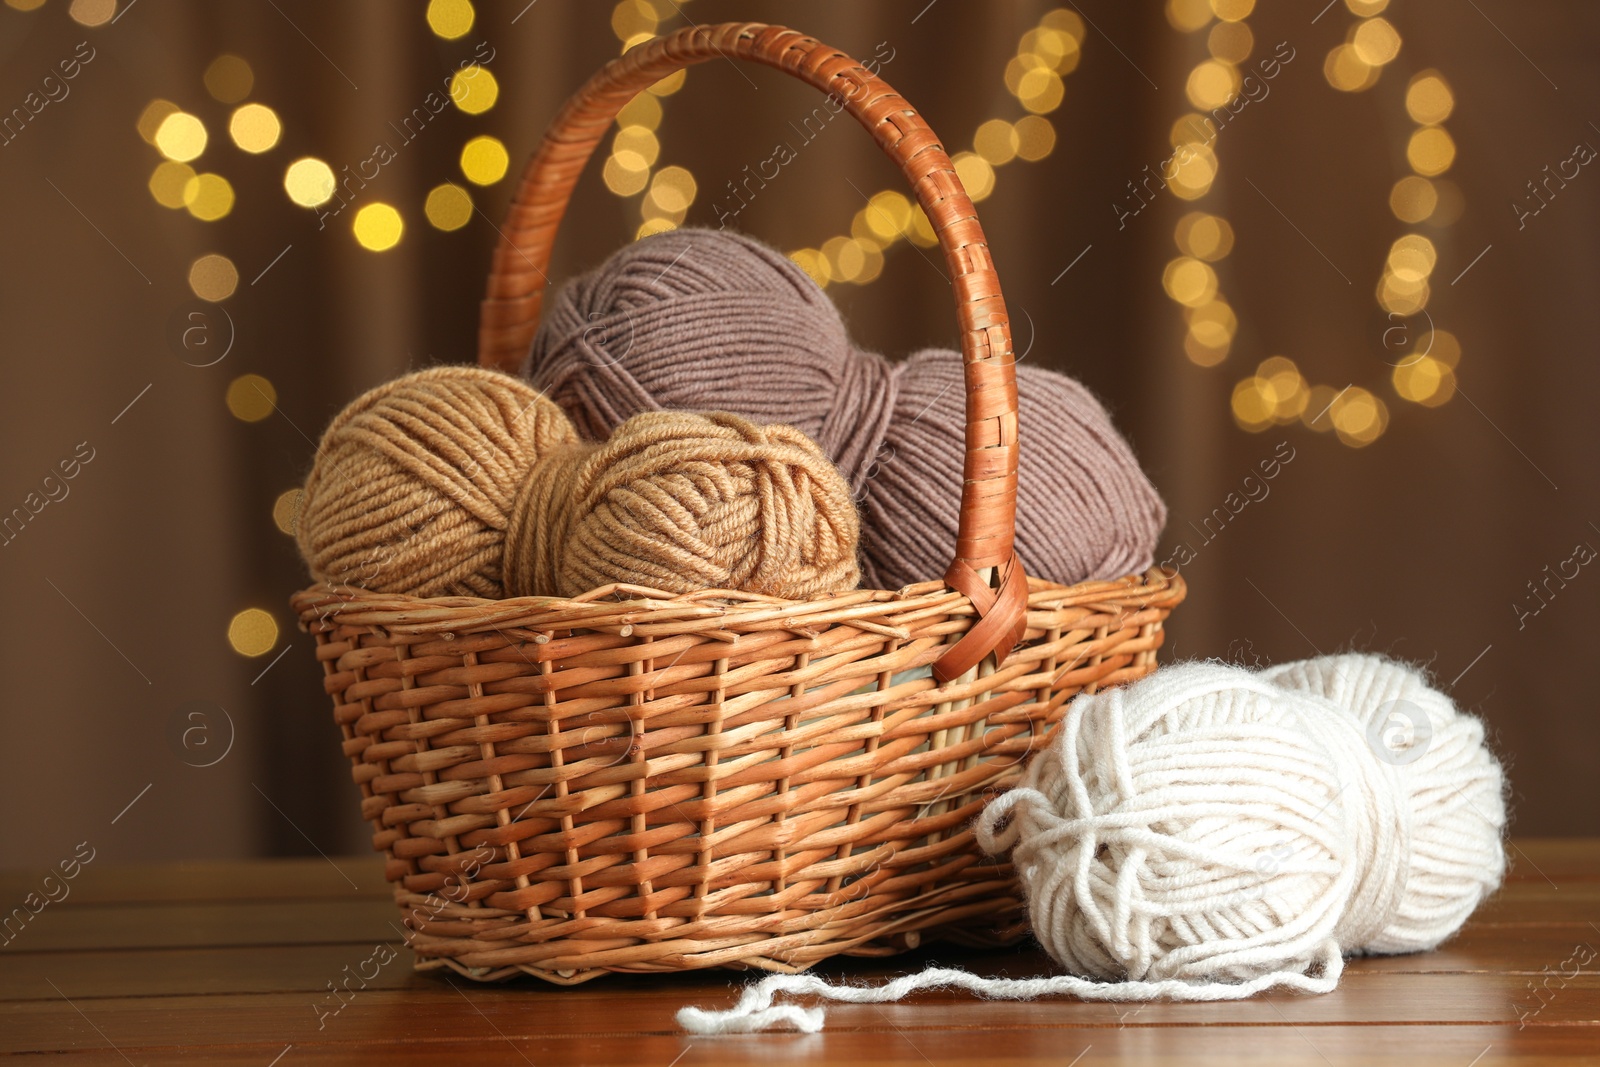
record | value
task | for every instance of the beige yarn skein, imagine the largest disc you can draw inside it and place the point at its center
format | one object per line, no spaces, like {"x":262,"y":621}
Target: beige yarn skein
{"x":458,"y":481}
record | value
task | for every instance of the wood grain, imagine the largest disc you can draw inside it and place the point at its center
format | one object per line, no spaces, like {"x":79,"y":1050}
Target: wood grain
{"x":234,"y":963}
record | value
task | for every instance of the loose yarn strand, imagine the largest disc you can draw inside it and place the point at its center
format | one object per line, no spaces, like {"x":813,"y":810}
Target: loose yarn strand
{"x":756,"y":1009}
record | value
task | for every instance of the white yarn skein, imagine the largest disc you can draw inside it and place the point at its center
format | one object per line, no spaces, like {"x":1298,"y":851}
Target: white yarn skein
{"x":1207,"y":833}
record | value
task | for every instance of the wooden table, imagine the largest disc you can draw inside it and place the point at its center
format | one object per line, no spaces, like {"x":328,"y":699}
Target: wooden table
{"x":232,"y":963}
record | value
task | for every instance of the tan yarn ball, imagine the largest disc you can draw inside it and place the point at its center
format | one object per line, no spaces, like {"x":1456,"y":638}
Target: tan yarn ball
{"x":457,"y":481}
{"x":414,"y":481}
{"x":679,"y":501}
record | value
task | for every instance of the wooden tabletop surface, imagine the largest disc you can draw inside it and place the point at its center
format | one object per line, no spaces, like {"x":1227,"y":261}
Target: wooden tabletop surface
{"x":232,"y":963}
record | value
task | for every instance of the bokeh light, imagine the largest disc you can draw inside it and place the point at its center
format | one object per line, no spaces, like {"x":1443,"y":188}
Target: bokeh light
{"x":1431,"y":151}
{"x":213,"y":277}
{"x":448,"y":207}
{"x":996,"y":141}
{"x":474,"y":90}
{"x":976,"y":175}
{"x":643,"y":110}
{"x":1346,"y":71}
{"x":253,"y":632}
{"x":450,"y":18}
{"x":670,"y":84}
{"x":1189,"y":281}
{"x":1426,"y":381}
{"x":1413,"y":199}
{"x":251,"y":397}
{"x":378,"y":227}
{"x":309,"y":182}
{"x":1036,"y":137}
{"x":255,"y":128}
{"x":672,"y":190}
{"x":1429,"y":100}
{"x":286,"y":510}
{"x":1376,"y":42}
{"x":229,"y":79}
{"x":181,"y":137}
{"x":1230,"y":42}
{"x":25,"y":5}
{"x":1366,"y":8}
{"x":1186,"y":16}
{"x":1232,"y":10}
{"x":631,"y":18}
{"x":484,"y":160}
{"x":208,"y":197}
{"x":1359,"y":418}
{"x":1204,"y":236}
{"x":1212,"y":84}
{"x":92,"y":12}
{"x":169,"y":182}
{"x":150,"y":119}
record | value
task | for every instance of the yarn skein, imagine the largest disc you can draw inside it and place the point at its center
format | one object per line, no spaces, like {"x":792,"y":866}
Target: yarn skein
{"x":458,"y":481}
{"x":707,"y":319}
{"x":1207,"y":833}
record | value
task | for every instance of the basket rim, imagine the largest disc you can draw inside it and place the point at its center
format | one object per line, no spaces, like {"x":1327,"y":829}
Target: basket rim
{"x":632,"y":609}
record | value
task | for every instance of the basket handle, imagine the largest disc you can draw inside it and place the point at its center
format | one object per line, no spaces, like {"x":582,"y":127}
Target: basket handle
{"x":986,"y":568}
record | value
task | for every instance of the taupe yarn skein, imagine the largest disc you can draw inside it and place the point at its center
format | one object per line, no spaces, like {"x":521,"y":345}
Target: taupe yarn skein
{"x":464,"y":482}
{"x":697,"y":319}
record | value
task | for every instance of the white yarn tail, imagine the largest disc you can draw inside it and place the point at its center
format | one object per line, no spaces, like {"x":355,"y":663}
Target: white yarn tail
{"x":756,"y":1010}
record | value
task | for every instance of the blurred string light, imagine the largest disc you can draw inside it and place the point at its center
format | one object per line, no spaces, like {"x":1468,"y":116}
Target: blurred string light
{"x":1035,"y":76}
{"x":253,"y":632}
{"x":92,"y":12}
{"x":1278,"y":393}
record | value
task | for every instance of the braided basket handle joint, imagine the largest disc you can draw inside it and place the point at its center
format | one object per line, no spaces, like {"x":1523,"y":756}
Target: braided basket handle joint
{"x":986,"y":569}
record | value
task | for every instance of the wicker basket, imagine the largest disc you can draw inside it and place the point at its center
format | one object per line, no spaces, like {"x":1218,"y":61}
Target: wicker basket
{"x":634,"y":781}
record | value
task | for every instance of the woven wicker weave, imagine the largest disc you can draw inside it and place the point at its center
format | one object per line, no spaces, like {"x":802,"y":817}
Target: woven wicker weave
{"x":633,"y":781}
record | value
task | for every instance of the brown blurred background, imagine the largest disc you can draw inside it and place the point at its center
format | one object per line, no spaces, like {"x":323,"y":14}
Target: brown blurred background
{"x":157,"y":699}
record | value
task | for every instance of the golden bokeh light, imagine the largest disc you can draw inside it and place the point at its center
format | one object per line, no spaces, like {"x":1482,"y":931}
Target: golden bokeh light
{"x":1212,"y":84}
{"x":484,"y":160}
{"x":309,"y":182}
{"x":25,"y":5}
{"x":1347,"y":71}
{"x":1189,"y":281}
{"x":630,"y":18}
{"x":670,"y":84}
{"x":1056,"y":47}
{"x":1411,"y":258}
{"x":1211,"y":330}
{"x":921,"y":232}
{"x":1230,"y":42}
{"x":1358,"y":417}
{"x":1442,"y":346}
{"x":1431,"y":151}
{"x":251,"y":398}
{"x":450,"y":18}
{"x":1204,"y":236}
{"x":1426,"y":381}
{"x":448,"y":207}
{"x":886,"y":216}
{"x":1196,"y":169}
{"x":1429,"y":100}
{"x":92,"y":12}
{"x":654,"y":225}
{"x":169,"y":183}
{"x":253,"y":632}
{"x":229,"y":79}
{"x":1413,"y":199}
{"x":255,"y":128}
{"x":1366,"y":8}
{"x":378,"y":227}
{"x":286,"y":510}
{"x":1280,"y":381}
{"x":1040,"y":90}
{"x":1376,"y":42}
{"x":1232,"y":10}
{"x":1402,"y":296}
{"x":976,"y":175}
{"x":636,"y":147}
{"x":1066,"y":20}
{"x":208,"y":197}
{"x":996,"y":141}
{"x":181,"y":137}
{"x":473,"y":89}
{"x":1036,"y":137}
{"x":672,"y":190}
{"x":1186,"y":16}
{"x":814,"y":263}
{"x":1253,"y":404}
{"x":213,"y":277}
{"x":626,"y":174}
{"x":643,"y":110}
{"x":151,"y":118}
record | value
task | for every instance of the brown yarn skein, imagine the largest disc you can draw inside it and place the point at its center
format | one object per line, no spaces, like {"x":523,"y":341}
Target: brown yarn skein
{"x":457,"y":481}
{"x":697,"y":319}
